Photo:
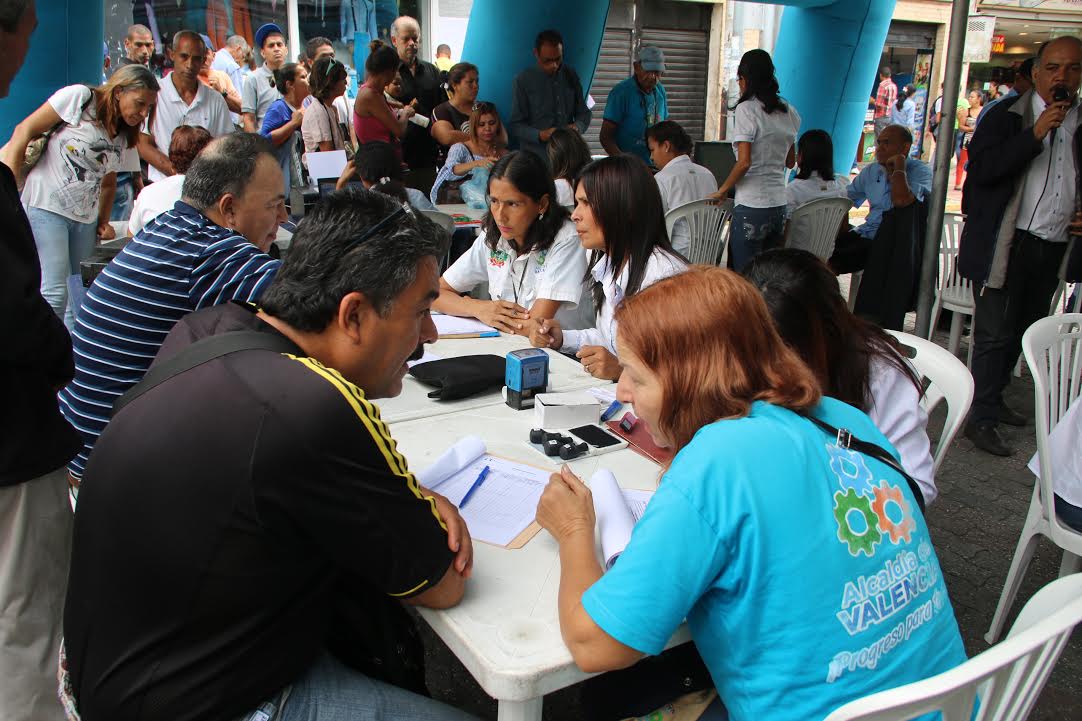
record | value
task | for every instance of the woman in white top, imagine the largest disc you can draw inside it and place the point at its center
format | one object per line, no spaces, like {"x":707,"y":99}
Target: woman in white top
{"x":679,"y":180}
{"x":904,"y":111}
{"x":619,"y":218}
{"x":187,"y":141}
{"x":485,"y":145}
{"x":764,"y":133}
{"x":568,"y":155}
{"x":855,"y":361}
{"x":815,"y":178}
{"x":320,"y":128}
{"x":69,"y":193}
{"x":527,"y":251}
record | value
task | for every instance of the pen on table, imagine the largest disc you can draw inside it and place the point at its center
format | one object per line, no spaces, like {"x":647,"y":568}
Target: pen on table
{"x":476,"y":484}
{"x":610,"y":411}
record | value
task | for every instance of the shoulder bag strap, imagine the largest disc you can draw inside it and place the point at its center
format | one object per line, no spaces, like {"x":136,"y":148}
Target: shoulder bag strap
{"x":845,"y":439}
{"x":202,"y":351}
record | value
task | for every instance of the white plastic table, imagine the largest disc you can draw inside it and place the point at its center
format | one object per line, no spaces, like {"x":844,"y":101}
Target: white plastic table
{"x":462,"y":209}
{"x":506,"y":630}
{"x":564,"y":375}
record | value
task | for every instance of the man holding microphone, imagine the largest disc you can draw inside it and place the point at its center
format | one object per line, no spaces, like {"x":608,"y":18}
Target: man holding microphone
{"x":1020,"y":200}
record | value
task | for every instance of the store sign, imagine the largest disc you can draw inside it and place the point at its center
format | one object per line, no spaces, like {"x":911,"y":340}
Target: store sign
{"x":979,"y":31}
{"x":998,"y":43}
{"x":1061,"y":5}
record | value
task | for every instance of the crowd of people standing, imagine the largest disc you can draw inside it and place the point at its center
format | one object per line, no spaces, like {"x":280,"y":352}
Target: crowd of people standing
{"x":248,"y":533}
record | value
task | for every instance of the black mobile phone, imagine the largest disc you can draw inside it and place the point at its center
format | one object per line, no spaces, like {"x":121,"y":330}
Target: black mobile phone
{"x":596,"y":436}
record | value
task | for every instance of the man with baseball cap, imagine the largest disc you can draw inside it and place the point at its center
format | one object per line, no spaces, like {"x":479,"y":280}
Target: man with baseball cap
{"x":634,"y":105}
{"x":259,"y":91}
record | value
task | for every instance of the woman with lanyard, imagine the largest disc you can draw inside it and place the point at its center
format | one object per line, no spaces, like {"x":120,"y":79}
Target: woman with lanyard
{"x":284,"y":118}
{"x":764,"y":135}
{"x":482,"y":148}
{"x":620,"y":220}
{"x":764,"y":533}
{"x":527,"y":251}
{"x":373,"y":119}
{"x":320,"y":129}
{"x":69,"y":192}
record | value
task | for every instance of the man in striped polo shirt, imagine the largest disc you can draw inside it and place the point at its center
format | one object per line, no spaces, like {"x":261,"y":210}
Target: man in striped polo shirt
{"x":210,"y":249}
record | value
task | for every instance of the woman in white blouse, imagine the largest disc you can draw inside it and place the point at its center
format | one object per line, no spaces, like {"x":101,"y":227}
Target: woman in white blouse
{"x":855,"y":361}
{"x":527,"y":251}
{"x":69,"y":193}
{"x":815,"y":179}
{"x":764,"y":133}
{"x":568,"y":155}
{"x":621,"y":221}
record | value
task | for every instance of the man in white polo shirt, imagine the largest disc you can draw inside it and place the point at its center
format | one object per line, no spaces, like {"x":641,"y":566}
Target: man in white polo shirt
{"x":259,"y":91}
{"x":182,"y":100}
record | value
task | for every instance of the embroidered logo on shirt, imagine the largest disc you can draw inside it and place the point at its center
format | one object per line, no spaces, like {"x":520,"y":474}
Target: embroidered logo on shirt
{"x":498,"y":258}
{"x":539,"y":262}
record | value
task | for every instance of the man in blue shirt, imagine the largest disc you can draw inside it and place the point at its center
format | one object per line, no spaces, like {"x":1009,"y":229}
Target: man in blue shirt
{"x":547,"y":96}
{"x":889,"y":182}
{"x":634,"y":105}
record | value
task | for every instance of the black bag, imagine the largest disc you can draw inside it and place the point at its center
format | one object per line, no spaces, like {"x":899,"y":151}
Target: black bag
{"x":461,"y":377}
{"x":450,"y":192}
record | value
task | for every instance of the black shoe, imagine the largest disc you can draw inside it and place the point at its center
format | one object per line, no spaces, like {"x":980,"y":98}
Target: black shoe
{"x":985,"y":436}
{"x":1011,"y":417}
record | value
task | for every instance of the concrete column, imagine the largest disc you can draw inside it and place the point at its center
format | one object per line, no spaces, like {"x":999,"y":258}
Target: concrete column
{"x":67,"y":48}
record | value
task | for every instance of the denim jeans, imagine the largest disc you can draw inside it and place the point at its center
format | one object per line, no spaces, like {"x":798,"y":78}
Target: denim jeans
{"x":754,"y":230}
{"x":330,"y":691}
{"x":62,"y":245}
{"x":123,"y":201}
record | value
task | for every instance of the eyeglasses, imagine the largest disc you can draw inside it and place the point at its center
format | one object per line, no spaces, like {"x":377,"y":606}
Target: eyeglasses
{"x":403,"y":209}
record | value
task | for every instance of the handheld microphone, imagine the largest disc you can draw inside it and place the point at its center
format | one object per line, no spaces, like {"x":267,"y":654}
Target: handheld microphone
{"x":1059,"y":95}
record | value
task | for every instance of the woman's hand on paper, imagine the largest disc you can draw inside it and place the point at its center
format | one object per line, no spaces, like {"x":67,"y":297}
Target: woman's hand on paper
{"x":599,"y":362}
{"x":566,"y":507}
{"x":501,"y":314}
{"x":547,"y":334}
{"x":458,"y":535}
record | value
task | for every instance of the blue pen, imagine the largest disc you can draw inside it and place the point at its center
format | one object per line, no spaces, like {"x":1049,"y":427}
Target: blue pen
{"x":611,"y":410}
{"x":489,"y":334}
{"x":476,"y":484}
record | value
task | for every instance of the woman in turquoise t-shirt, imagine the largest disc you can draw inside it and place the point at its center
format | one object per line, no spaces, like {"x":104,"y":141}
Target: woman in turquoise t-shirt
{"x":804,"y":569}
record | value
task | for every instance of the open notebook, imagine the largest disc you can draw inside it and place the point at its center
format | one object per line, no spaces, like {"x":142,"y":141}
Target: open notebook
{"x":501,"y":510}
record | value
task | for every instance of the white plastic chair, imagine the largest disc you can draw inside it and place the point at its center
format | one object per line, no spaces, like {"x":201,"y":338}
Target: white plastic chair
{"x":1008,"y":677}
{"x":446,"y":222}
{"x":954,"y":292}
{"x":707,"y":225}
{"x":814,"y":226}
{"x":948,"y":379}
{"x":1053,"y":351}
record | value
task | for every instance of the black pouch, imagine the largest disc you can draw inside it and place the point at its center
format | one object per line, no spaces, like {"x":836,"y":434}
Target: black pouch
{"x":461,"y":377}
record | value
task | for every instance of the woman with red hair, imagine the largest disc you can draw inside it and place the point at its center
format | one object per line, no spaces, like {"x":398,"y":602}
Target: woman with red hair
{"x":803,"y":567}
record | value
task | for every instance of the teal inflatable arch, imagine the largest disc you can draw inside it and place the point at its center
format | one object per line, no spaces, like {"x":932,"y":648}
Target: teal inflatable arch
{"x":827,"y":54}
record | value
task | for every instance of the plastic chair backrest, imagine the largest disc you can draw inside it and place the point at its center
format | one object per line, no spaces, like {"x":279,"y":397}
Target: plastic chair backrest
{"x":1008,"y":677}
{"x":1053,"y":350}
{"x":443,"y":220}
{"x":949,"y":380}
{"x":706,"y":225}
{"x":951,"y":283}
{"x":814,"y":226}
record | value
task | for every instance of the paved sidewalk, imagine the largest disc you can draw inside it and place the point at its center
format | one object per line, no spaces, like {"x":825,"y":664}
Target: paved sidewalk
{"x":975,"y":524}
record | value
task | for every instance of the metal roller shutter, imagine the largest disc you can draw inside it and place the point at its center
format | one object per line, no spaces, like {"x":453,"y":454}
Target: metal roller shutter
{"x":613,"y":65}
{"x":685,"y":75}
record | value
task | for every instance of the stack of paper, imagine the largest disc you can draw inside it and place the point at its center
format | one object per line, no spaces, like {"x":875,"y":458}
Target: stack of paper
{"x":451,"y":326}
{"x":617,"y":512}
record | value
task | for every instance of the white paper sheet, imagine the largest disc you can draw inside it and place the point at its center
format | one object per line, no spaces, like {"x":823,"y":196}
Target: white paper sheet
{"x":617,"y":512}
{"x":428,"y":356}
{"x":326,"y":164}
{"x":453,"y":460}
{"x":504,"y":504}
{"x":453,"y":325}
{"x":605,"y":394}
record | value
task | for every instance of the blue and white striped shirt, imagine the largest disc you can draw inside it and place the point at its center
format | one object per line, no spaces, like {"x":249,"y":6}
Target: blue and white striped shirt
{"x":178,"y":263}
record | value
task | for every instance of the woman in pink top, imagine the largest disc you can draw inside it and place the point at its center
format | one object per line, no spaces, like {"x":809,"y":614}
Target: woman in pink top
{"x":373,"y":118}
